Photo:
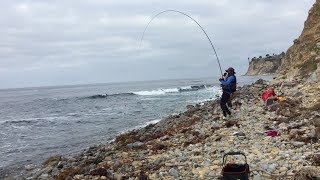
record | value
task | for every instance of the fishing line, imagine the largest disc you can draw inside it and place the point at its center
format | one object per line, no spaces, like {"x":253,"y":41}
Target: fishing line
{"x":145,"y":29}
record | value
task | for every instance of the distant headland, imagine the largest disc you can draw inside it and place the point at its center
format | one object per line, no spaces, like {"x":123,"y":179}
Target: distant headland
{"x":265,"y":65}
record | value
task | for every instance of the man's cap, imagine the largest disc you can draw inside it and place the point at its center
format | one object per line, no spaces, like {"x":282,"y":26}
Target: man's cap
{"x":230,"y":69}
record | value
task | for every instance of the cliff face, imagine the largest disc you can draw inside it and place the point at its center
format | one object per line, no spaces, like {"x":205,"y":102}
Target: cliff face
{"x":267,"y":65}
{"x":302,"y":61}
{"x":303,"y":57}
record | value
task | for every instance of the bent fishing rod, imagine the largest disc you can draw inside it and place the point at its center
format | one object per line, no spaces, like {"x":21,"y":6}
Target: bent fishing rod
{"x":145,"y":29}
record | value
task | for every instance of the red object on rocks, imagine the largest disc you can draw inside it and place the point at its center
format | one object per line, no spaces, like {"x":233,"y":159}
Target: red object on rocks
{"x":272,"y":133}
{"x":267,"y":94}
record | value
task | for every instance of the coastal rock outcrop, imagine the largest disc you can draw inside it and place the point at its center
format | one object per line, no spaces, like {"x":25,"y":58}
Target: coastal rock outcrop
{"x":301,"y":65}
{"x":266,"y":65}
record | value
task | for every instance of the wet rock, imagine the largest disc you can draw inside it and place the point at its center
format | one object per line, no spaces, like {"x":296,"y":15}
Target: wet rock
{"x":52,"y":161}
{"x":190,"y":106}
{"x":60,"y":165}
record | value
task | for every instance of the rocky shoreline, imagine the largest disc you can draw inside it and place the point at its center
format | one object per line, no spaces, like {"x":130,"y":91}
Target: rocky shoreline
{"x":191,"y":145}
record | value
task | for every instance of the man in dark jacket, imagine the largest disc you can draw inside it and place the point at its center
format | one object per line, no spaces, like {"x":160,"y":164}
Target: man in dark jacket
{"x":229,"y":86}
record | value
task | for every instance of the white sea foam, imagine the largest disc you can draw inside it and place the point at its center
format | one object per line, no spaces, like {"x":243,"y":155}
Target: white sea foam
{"x":163,"y":91}
{"x":157,"y":92}
{"x":152,"y":122}
{"x":140,"y":126}
{"x":150,"y":93}
{"x":172,"y":90}
{"x":185,"y":87}
{"x":155,"y":121}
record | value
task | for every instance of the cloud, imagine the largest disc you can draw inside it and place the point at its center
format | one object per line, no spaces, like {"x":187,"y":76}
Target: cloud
{"x":100,"y":38}
{"x":22,"y":8}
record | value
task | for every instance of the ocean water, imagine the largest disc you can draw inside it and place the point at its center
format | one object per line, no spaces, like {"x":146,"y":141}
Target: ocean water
{"x":36,"y":123}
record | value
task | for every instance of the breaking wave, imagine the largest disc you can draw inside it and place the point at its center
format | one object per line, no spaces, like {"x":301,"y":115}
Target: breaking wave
{"x":156,"y":92}
{"x":107,"y":95}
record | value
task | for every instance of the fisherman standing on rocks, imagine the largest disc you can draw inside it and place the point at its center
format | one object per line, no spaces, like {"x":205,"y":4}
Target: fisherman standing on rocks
{"x":229,"y":86}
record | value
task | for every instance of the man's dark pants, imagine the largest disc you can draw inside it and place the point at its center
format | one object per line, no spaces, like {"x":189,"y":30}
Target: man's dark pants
{"x":224,"y":100}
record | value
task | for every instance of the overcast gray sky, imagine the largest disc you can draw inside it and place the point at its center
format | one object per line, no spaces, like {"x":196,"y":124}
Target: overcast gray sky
{"x":95,"y":41}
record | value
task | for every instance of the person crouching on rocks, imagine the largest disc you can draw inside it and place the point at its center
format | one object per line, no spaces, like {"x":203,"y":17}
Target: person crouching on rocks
{"x":229,"y":86}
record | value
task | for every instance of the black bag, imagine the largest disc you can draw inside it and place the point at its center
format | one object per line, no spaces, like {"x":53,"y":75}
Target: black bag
{"x":232,"y":171}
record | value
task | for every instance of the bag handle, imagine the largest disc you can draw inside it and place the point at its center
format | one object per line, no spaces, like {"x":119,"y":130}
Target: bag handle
{"x":232,"y":153}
